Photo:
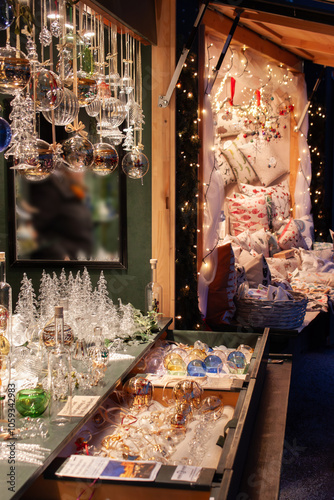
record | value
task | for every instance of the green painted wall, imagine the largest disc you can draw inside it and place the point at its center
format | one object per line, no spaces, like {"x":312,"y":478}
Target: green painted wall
{"x":129,"y":285}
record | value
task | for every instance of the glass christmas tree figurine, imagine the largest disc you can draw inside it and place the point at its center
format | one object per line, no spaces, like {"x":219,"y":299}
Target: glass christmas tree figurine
{"x":153,"y":291}
{"x":5,"y":308}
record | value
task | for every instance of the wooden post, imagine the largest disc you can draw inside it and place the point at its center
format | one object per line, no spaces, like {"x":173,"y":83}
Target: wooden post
{"x":163,"y":154}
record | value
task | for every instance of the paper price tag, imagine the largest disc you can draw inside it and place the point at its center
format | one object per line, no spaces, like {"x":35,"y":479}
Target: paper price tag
{"x":187,"y":473}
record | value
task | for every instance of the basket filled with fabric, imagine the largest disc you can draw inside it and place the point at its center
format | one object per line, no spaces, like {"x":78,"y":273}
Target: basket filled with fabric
{"x":285,"y":311}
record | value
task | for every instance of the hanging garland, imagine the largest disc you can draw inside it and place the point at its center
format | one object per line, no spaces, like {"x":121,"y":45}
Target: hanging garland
{"x":187,"y":149}
{"x":316,"y":141}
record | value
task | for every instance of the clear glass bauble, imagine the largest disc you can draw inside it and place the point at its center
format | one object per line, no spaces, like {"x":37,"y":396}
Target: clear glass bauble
{"x":6,"y":14}
{"x":38,"y":170}
{"x":5,"y":134}
{"x":46,"y":89}
{"x":14,"y":70}
{"x":113,"y":112}
{"x":87,"y":89}
{"x":139,"y":390}
{"x":135,"y":165}
{"x":78,"y":153}
{"x":113,"y":135}
{"x":67,"y":111}
{"x":94,"y":108}
{"x":105,"y":159}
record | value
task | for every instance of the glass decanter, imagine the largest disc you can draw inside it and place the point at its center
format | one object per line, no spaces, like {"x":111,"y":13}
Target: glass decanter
{"x":153,"y":291}
{"x":60,"y":367}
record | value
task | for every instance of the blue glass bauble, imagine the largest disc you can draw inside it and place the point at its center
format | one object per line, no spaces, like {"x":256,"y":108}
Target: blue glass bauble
{"x":238,"y":358}
{"x":6,"y":14}
{"x":196,"y":368}
{"x":5,"y":134}
{"x":213,"y":364}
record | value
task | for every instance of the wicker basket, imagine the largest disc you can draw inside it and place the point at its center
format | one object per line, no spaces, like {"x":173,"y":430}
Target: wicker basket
{"x":280,"y":314}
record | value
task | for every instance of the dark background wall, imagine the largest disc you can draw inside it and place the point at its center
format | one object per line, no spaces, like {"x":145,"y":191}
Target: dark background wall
{"x":129,"y":284}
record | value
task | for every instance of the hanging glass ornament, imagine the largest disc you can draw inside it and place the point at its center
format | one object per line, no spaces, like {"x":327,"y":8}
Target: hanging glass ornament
{"x":55,"y":28}
{"x":104,"y":91}
{"x":113,"y":135}
{"x":14,"y":70}
{"x":66,"y":112}
{"x":113,"y":112}
{"x":94,"y":108}
{"x":105,"y":159}
{"x":135,"y":164}
{"x":6,"y":14}
{"x":87,"y":89}
{"x":46,"y":89}
{"x":38,"y":169}
{"x":5,"y":134}
{"x":45,"y":37}
{"x":78,"y":153}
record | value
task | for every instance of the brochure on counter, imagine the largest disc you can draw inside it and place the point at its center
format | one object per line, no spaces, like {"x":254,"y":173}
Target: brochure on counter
{"x":89,"y":467}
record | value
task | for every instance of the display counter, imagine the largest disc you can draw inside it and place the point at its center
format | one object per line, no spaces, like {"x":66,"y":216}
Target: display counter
{"x":21,"y":474}
{"x":226,"y":451}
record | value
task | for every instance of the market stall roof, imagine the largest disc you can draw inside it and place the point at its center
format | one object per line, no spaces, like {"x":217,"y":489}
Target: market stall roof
{"x":287,"y":30}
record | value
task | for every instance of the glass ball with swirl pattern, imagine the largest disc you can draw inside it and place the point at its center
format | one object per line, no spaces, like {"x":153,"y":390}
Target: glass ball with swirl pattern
{"x":66,"y":112}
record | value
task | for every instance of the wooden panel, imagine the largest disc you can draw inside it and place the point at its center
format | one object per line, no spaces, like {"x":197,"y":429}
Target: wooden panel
{"x":163,"y":154}
{"x":221,"y":26}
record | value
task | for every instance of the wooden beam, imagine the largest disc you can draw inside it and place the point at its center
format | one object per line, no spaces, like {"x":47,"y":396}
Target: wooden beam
{"x":163,"y":154}
{"x":221,"y":26}
{"x":289,"y":22}
{"x":308,"y":45}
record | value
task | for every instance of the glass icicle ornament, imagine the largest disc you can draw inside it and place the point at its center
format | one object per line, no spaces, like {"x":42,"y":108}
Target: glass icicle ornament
{"x":153,"y":291}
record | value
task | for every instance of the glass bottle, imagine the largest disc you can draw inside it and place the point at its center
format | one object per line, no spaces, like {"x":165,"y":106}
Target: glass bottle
{"x":153,"y":291}
{"x":5,"y":308}
{"x":60,"y":362}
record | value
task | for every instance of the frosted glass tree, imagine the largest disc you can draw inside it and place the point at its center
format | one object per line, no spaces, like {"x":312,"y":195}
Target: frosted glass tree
{"x":26,"y":310}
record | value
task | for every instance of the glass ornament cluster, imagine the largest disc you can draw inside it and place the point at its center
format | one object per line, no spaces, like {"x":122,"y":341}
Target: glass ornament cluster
{"x":198,"y":360}
{"x":61,"y":88}
{"x":178,"y":430}
{"x":96,"y":331}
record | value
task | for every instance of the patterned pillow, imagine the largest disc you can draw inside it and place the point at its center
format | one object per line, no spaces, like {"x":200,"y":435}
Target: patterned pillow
{"x":223,"y":165}
{"x":229,"y":123}
{"x":280,"y":197}
{"x":291,"y":237}
{"x":256,"y":268}
{"x":247,"y":212}
{"x":242,"y":169}
{"x":220,"y":304}
{"x":265,"y":161}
